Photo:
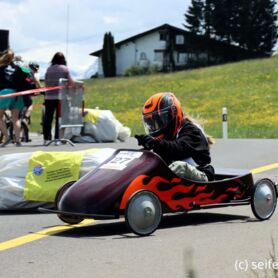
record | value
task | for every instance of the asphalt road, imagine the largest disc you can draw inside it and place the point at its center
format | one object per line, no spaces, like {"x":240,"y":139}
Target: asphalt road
{"x":226,"y":242}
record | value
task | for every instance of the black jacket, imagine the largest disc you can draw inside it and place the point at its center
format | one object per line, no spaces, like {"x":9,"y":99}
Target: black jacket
{"x":190,"y":142}
{"x":15,"y":77}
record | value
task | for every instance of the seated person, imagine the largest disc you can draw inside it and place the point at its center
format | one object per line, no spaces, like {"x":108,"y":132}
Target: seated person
{"x":177,"y":139}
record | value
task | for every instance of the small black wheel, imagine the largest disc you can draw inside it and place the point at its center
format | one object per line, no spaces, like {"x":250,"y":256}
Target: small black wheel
{"x":143,"y":213}
{"x":69,"y":219}
{"x":263,"y":199}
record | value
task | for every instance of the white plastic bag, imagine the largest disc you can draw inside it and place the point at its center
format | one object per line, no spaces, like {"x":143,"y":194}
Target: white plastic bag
{"x":104,"y":127}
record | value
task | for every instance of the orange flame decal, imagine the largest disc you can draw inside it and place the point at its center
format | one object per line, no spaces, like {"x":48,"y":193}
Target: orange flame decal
{"x":201,"y":188}
{"x":177,"y":195}
{"x":138,"y":184}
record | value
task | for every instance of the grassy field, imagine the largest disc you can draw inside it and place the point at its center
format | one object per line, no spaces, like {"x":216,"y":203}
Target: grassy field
{"x":248,"y":89}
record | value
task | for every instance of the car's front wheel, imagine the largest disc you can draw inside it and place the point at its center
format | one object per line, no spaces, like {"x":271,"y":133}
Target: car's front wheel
{"x":143,"y":213}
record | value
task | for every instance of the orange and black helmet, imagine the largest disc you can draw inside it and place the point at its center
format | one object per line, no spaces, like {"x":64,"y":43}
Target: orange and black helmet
{"x":162,"y":116}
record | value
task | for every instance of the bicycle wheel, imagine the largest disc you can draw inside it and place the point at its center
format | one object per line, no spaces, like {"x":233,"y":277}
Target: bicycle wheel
{"x":24,"y":132}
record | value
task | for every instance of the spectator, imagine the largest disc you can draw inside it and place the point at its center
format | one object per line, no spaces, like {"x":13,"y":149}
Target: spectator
{"x":12,"y":78}
{"x":34,"y":69}
{"x":58,"y":69}
{"x":28,"y":102}
{"x":18,"y":60}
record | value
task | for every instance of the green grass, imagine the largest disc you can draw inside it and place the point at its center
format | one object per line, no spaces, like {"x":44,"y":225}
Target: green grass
{"x":248,"y":89}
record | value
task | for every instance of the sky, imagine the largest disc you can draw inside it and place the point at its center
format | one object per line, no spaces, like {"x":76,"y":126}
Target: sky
{"x":40,"y":28}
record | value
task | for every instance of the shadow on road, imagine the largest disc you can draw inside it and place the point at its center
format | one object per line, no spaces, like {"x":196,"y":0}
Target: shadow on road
{"x":103,"y":229}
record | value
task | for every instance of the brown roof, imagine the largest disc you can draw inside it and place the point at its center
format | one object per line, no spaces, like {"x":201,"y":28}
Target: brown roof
{"x":118,"y":44}
{"x":223,"y":45}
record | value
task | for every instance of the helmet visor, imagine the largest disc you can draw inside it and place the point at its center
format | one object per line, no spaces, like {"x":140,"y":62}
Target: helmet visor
{"x":156,"y":121}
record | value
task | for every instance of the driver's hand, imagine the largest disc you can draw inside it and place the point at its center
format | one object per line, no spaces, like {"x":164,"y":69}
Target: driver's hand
{"x":146,"y":141}
{"x":139,"y":139}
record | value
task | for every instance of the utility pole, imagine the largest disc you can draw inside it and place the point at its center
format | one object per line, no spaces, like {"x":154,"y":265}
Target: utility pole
{"x":67,"y":32}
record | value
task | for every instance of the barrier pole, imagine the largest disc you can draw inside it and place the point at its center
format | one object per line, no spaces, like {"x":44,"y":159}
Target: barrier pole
{"x":225,"y":122}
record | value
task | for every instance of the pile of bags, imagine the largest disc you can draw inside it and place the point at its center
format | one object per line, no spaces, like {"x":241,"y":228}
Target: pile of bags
{"x":99,"y":126}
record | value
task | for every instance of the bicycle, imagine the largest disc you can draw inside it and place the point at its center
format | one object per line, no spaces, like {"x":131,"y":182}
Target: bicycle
{"x":24,"y":129}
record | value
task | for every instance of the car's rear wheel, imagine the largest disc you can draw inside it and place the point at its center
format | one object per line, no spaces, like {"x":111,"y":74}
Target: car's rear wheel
{"x":143,"y":213}
{"x":69,"y":219}
{"x":263,"y":199}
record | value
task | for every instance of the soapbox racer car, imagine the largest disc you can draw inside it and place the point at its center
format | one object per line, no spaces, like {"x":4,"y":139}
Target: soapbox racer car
{"x":138,"y":185}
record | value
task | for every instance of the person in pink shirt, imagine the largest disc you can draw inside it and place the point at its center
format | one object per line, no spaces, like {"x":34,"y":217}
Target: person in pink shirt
{"x":58,"y":69}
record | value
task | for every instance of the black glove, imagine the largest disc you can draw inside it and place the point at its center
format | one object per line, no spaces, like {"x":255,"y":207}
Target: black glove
{"x":139,"y":139}
{"x":146,"y":141}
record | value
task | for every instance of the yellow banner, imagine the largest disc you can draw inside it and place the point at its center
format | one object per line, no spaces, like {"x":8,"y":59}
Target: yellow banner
{"x":48,"y":171}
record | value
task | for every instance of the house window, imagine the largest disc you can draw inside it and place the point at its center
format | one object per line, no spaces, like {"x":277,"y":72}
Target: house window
{"x":179,"y":39}
{"x":163,"y":36}
{"x":182,"y":58}
{"x":143,"y":56}
{"x":158,"y":56}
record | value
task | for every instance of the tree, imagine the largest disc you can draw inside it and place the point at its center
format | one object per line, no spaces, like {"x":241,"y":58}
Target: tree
{"x":108,"y":56}
{"x":250,"y":24}
{"x":223,"y":15}
{"x":194,"y":17}
{"x":257,"y":29}
{"x":269,"y":39}
{"x":208,"y":17}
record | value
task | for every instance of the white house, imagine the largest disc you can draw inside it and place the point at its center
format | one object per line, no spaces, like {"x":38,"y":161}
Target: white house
{"x":169,"y":48}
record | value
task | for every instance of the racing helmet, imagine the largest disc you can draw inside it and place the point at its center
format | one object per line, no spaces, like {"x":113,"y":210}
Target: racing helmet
{"x":162,"y":116}
{"x":34,"y":66}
